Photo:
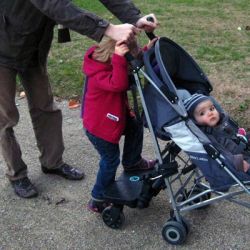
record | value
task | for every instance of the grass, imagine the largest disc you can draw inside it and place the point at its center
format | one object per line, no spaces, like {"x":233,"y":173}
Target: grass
{"x":207,"y":29}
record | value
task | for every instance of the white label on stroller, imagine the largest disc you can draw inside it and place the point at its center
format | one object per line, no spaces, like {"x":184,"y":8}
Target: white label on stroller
{"x":198,"y":158}
{"x":112,"y":117}
{"x":184,"y":138}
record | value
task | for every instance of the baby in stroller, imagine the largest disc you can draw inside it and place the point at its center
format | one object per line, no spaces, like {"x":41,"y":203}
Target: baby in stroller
{"x":221,"y":129}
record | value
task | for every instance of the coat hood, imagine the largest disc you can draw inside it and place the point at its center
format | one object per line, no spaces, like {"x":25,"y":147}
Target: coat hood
{"x":91,"y":66}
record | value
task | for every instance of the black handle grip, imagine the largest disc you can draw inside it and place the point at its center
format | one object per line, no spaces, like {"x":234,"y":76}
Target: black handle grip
{"x":129,"y":57}
{"x":150,"y":19}
{"x":150,"y":35}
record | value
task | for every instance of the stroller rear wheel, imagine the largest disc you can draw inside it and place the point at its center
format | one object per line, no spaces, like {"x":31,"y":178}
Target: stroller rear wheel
{"x":174,"y":232}
{"x":113,"y":217}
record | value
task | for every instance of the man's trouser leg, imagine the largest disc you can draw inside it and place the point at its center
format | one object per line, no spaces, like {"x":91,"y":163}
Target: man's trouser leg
{"x":9,"y":117}
{"x":46,"y":117}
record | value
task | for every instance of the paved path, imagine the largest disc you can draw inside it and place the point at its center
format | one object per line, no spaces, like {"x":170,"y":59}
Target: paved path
{"x":58,"y":218}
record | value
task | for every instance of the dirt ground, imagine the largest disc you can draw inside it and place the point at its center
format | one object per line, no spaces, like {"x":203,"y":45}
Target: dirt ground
{"x":58,"y":218}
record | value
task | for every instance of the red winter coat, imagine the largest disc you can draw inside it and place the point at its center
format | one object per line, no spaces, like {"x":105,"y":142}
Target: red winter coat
{"x":105,"y":102}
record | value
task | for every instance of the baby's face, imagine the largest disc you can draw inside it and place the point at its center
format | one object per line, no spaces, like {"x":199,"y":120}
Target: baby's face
{"x":206,"y":114}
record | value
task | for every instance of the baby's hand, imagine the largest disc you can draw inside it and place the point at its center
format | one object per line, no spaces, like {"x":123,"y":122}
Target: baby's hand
{"x":242,"y":131}
{"x":246,"y":166}
{"x":121,"y":48}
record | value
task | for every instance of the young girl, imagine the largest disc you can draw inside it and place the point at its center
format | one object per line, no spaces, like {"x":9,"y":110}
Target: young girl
{"x":106,"y":115}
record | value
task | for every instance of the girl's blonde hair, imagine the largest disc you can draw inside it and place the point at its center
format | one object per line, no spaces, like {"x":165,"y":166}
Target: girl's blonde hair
{"x":104,"y":50}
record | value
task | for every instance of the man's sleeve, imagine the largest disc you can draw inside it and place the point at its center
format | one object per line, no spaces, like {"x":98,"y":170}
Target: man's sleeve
{"x":124,"y":10}
{"x":82,"y":21}
{"x":66,"y":13}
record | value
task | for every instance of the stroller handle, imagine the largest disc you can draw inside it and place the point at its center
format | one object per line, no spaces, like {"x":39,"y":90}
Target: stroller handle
{"x":136,"y":64}
{"x":129,"y":57}
{"x":150,"y":35}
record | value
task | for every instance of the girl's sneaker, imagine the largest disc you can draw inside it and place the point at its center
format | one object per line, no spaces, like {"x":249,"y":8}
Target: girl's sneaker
{"x":97,"y":206}
{"x":143,"y":164}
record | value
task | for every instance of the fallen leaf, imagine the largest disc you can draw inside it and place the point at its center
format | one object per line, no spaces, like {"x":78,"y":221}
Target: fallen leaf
{"x":73,"y":104}
{"x":22,"y":94}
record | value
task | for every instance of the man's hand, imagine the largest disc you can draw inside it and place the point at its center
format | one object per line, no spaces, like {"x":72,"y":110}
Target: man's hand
{"x":148,"y":26}
{"x":122,"y":32}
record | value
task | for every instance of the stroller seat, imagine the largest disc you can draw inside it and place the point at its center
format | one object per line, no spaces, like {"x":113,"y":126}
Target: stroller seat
{"x":172,"y":70}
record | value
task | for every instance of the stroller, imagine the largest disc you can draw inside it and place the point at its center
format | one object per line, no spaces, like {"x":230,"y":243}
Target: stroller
{"x":192,"y":171}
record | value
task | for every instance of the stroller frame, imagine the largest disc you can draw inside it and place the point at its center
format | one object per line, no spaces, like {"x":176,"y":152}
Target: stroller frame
{"x":172,"y":168}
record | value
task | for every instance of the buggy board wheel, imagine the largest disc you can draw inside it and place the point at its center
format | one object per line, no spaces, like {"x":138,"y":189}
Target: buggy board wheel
{"x":174,"y":232}
{"x":204,"y":197}
{"x":113,"y":217}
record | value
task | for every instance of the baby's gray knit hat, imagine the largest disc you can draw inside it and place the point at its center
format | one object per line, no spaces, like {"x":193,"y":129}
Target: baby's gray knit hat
{"x":191,"y":103}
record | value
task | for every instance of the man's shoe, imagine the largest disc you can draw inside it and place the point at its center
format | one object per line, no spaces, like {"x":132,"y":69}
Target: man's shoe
{"x":24,"y":188}
{"x":65,"y":171}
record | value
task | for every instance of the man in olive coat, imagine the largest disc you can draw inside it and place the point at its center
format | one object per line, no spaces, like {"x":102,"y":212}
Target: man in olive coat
{"x":26,"y":33}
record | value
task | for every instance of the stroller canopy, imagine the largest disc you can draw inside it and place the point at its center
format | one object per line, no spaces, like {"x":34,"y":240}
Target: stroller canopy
{"x":171,"y":68}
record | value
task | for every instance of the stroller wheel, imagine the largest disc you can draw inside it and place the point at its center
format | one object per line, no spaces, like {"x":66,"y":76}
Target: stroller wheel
{"x":113,"y":217}
{"x":174,"y":232}
{"x":184,"y":222}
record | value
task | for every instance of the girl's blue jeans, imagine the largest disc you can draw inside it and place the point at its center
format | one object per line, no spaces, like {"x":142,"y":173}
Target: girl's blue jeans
{"x":110,"y":155}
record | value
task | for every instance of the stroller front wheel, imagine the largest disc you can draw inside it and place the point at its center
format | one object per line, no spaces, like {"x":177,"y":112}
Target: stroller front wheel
{"x":174,"y":232}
